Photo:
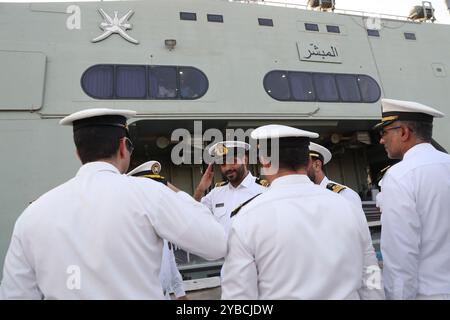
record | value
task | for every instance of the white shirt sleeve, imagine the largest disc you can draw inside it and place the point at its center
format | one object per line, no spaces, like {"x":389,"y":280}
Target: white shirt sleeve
{"x":170,"y":277}
{"x":372,"y":283}
{"x":185,"y":222}
{"x":176,"y":280}
{"x":400,"y":240}
{"x":239,"y":274}
{"x":207,"y":201}
{"x":19,"y":279}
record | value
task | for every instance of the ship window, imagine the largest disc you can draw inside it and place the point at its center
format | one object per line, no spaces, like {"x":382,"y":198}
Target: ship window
{"x":193,"y":83}
{"x":265,"y":22}
{"x":325,"y":85}
{"x":277,"y":85}
{"x":370,"y":91}
{"x":98,"y":81}
{"x":144,"y":82}
{"x":215,"y":18}
{"x":410,"y":36}
{"x":130,"y":82}
{"x":163,"y":82}
{"x":348,"y":87}
{"x":373,"y":33}
{"x":333,"y":29}
{"x":311,"y":27}
{"x":302,"y":86}
{"x":192,"y":16}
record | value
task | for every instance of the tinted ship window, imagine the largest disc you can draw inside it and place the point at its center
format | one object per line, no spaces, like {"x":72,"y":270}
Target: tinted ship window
{"x":370,"y":90}
{"x":348,"y":88}
{"x":98,"y":82}
{"x":130,"y":82}
{"x":311,"y":27}
{"x":163,"y":82}
{"x":302,"y":86}
{"x":215,"y":18}
{"x":190,"y":16}
{"x":143,"y":82}
{"x":333,"y":29}
{"x":277,"y":85}
{"x":193,"y":83}
{"x":265,"y":22}
{"x":410,"y":36}
{"x":326,"y":87}
{"x":373,"y":33}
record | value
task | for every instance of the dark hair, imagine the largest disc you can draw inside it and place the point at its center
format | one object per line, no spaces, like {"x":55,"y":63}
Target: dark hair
{"x":293,"y":152}
{"x":422,"y":130}
{"x":293,"y":158}
{"x":97,"y":143}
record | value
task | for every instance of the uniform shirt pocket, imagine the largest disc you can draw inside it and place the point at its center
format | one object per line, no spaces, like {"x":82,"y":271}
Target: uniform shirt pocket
{"x":219,"y":210}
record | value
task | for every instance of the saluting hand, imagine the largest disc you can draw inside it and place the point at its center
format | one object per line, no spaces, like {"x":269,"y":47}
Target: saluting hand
{"x":205,"y":182}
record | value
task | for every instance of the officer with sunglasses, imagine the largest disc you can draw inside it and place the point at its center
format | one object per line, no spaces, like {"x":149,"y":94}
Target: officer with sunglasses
{"x":415,"y":204}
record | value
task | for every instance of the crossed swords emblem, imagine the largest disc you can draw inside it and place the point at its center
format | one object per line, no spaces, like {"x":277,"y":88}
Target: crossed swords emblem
{"x":115,"y":25}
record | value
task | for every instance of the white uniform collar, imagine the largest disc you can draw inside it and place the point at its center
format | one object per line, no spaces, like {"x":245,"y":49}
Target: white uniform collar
{"x":97,"y":166}
{"x":290,"y":179}
{"x":324,"y":181}
{"x":248,"y":180}
{"x":418,"y":148}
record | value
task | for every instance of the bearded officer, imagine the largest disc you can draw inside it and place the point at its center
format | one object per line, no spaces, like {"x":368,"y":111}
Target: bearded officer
{"x":320,"y":156}
{"x":169,"y":275}
{"x":298,"y":240}
{"x":239,"y":186}
{"x":415,"y":202}
{"x":99,"y":235}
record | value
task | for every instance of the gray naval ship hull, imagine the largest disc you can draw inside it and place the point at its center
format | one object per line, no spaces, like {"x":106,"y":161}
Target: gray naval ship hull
{"x":249,"y":64}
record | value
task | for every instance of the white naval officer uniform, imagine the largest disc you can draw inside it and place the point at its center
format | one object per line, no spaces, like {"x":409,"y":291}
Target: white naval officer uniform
{"x":223,"y":199}
{"x":170,"y":277}
{"x":320,"y":152}
{"x":415,"y":241}
{"x":299,"y":241}
{"x":415,"y":219}
{"x":110,"y":227}
{"x":99,"y":235}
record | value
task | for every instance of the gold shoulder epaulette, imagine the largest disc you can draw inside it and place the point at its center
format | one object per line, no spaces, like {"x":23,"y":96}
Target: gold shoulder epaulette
{"x":235,"y":211}
{"x":153,"y":176}
{"x":156,"y":177}
{"x":335,"y":187}
{"x":262,"y":182}
{"x":221,"y":184}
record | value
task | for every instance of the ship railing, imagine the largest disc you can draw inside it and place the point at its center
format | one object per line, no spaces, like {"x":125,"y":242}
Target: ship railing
{"x":364,"y":14}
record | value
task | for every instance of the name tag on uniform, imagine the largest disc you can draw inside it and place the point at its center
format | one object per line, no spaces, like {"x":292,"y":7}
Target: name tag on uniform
{"x":220,"y":205}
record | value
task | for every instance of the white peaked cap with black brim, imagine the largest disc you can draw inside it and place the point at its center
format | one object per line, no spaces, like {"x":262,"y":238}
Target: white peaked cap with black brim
{"x":318,"y":151}
{"x":274,"y":131}
{"x":222,"y":148}
{"x":149,"y":167}
{"x":399,"y":110}
{"x":98,"y":117}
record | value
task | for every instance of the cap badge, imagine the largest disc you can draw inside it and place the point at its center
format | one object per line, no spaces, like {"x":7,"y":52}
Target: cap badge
{"x":156,"y":168}
{"x":220,"y":150}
